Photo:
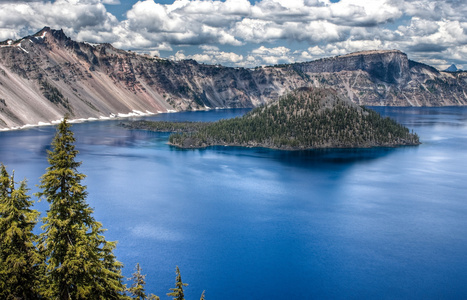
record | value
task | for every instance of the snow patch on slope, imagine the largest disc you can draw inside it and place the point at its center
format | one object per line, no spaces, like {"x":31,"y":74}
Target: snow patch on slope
{"x":134,"y":113}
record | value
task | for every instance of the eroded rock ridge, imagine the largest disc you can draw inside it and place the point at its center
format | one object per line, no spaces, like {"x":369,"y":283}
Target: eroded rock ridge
{"x":44,"y":76}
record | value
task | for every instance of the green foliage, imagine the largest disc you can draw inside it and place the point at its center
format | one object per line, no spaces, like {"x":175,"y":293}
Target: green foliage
{"x":53,"y":94}
{"x":177,"y":291}
{"x":72,"y":259}
{"x":79,"y":261}
{"x":164,"y":126}
{"x":19,"y":258}
{"x":137,"y":288}
{"x":305,"y":119}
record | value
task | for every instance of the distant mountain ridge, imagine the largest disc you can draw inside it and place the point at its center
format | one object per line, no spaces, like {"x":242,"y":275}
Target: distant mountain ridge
{"x":46,"y":75}
{"x":452,"y":68}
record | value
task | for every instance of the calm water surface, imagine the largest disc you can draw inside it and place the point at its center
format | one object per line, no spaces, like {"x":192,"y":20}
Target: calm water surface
{"x":264,"y":224}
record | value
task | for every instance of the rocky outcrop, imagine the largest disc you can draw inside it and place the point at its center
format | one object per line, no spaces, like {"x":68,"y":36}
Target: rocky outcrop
{"x":386,"y":78}
{"x":390,"y":67}
{"x":46,"y":75}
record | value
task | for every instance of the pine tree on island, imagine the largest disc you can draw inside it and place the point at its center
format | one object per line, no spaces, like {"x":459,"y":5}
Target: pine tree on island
{"x":19,"y":258}
{"x":79,"y":261}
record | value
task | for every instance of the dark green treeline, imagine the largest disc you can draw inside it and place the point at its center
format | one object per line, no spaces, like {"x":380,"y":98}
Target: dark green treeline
{"x":70,"y":259}
{"x":20,"y":261}
{"x":304,"y":119}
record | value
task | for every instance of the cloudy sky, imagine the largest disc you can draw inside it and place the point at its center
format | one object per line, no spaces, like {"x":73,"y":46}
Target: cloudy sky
{"x":251,"y":33}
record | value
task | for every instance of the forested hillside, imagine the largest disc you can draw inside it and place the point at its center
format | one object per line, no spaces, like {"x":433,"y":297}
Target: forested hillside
{"x":308,"y":118}
{"x":304,"y":119}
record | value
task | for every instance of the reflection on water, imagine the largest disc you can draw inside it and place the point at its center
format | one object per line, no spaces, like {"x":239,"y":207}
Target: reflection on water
{"x":425,"y":116}
{"x":338,"y":223}
{"x":307,"y":158}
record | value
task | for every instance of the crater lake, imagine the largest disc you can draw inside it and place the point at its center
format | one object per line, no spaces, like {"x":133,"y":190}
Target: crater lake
{"x":253,"y":223}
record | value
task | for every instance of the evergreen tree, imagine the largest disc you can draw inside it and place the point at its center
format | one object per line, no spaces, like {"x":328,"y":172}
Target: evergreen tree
{"x":137,"y":288}
{"x":177,"y":292}
{"x":19,"y":259}
{"x":4,"y":183}
{"x":111,"y":284}
{"x":79,"y":261}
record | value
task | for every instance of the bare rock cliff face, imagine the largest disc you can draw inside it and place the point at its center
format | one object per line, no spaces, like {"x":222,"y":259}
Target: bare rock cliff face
{"x":45,"y":76}
{"x":386,"y":66}
{"x":386,"y":78}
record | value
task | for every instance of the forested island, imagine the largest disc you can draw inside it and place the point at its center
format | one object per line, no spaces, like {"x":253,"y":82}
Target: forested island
{"x":308,"y":118}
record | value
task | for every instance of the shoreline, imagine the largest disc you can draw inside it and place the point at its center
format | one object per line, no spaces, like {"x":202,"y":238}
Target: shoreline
{"x":112,"y":116}
{"x":264,"y":146}
{"x":137,"y":113}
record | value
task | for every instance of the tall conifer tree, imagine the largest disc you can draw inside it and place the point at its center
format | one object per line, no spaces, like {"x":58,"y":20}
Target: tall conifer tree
{"x":19,"y":258}
{"x":137,"y":288}
{"x":80,"y":262}
{"x":177,"y":292}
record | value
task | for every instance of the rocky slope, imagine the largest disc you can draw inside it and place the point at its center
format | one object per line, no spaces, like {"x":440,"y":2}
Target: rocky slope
{"x":46,"y":75}
{"x":386,"y":78}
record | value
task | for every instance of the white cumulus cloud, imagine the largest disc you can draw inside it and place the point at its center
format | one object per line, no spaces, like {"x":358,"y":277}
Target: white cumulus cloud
{"x":427,"y":29}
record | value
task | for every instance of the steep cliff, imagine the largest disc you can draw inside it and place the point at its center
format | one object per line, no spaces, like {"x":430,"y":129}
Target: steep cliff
{"x":386,"y":78}
{"x":46,"y":75}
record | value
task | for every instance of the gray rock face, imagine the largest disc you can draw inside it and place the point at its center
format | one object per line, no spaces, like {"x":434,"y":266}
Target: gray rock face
{"x":386,"y":66}
{"x":44,"y":76}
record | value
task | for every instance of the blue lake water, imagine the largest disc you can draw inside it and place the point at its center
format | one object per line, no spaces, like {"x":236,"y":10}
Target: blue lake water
{"x":264,"y":224}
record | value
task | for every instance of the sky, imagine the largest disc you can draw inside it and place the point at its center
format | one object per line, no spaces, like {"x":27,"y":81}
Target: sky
{"x":242,"y":33}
